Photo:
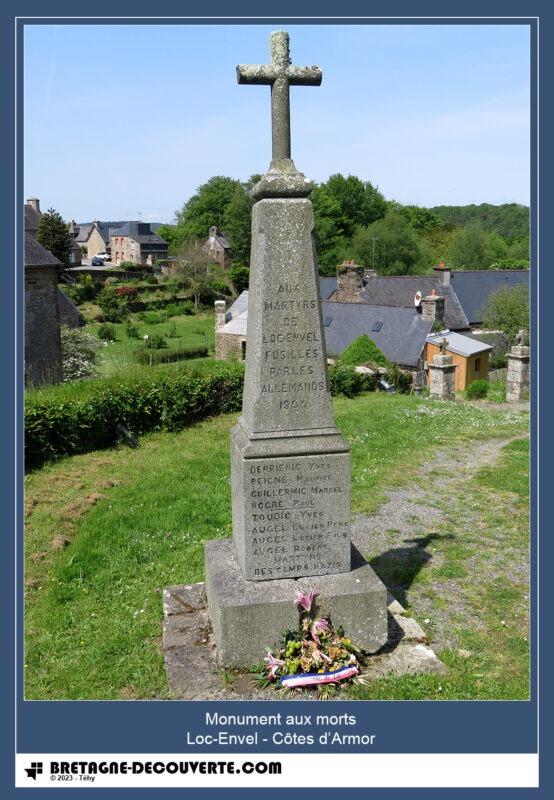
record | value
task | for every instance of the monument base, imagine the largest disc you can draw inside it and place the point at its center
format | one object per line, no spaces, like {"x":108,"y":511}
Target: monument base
{"x":249,"y":617}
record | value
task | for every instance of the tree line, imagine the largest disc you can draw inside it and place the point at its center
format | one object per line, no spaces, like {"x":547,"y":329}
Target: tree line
{"x":353,"y":220}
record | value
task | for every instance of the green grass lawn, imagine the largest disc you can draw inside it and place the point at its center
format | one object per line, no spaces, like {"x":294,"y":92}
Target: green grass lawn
{"x":190,"y":331}
{"x":106,"y":531}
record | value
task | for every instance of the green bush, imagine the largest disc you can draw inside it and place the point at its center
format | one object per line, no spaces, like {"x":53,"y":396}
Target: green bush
{"x":345,"y":380}
{"x":170,"y":356}
{"x":477,"y":390}
{"x":498,"y":361}
{"x":112,"y":307}
{"x":239,"y":275}
{"x":152,"y":317}
{"x":155,"y":342}
{"x":363,"y":350}
{"x":184,"y":308}
{"x":132,"y":331}
{"x":79,"y":354}
{"x":402,"y":381}
{"x":107,"y":333}
{"x":151,"y":280}
{"x":72,"y":292}
{"x":130,"y":265}
{"x":165,"y":399}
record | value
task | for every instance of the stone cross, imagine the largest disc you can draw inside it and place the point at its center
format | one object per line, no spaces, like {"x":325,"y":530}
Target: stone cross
{"x":280,"y":74}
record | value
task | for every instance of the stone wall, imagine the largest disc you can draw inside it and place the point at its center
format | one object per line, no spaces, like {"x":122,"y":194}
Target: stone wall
{"x":95,"y":244}
{"x":43,"y":350}
{"x":229,"y":346}
{"x":517,"y":383}
{"x":442,"y":374}
{"x":69,"y":313}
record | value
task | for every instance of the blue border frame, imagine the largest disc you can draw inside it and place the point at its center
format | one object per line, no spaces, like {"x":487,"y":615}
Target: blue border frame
{"x":483,"y":726}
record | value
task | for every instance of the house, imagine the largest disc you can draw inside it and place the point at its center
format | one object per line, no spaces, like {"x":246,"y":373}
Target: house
{"x":68,"y":313}
{"x":230,"y":329}
{"x":137,"y":242}
{"x":217,"y":246}
{"x":43,"y":348}
{"x":470,"y":355}
{"x":400,"y":333}
{"x":94,"y":236}
{"x":466,"y":293}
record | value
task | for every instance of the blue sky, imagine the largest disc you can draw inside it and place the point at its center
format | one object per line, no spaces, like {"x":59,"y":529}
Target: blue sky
{"x":127,"y":119}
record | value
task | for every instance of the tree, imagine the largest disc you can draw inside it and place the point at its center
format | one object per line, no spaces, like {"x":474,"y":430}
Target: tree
{"x":53,"y":233}
{"x":439,"y":241}
{"x":397,"y":247}
{"x":420,"y":218}
{"x":360,"y":203}
{"x":196,"y":269}
{"x":237,"y":223}
{"x":205,"y":208}
{"x":469,"y":248}
{"x":169,"y":234}
{"x":239,"y":276}
{"x":507,"y":310}
{"x":330,"y":239}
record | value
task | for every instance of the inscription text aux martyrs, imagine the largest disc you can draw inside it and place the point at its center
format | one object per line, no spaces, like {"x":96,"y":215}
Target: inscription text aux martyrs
{"x":298,"y":351}
{"x":290,"y":531}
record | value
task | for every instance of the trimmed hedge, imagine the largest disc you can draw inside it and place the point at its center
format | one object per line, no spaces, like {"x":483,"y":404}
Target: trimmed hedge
{"x":345,"y":380}
{"x":170,"y":356}
{"x":165,"y":400}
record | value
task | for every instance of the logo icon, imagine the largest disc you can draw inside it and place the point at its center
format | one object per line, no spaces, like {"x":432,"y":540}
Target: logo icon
{"x":34,"y":770}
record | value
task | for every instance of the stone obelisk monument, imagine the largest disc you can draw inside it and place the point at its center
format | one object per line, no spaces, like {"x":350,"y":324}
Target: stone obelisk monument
{"x":290,"y":467}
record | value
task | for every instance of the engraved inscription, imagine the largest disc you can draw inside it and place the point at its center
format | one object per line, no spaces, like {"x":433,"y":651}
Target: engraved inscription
{"x":297,"y":519}
{"x":290,"y":350}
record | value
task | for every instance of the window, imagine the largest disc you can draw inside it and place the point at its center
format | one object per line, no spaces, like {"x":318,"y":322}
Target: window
{"x":477,"y":367}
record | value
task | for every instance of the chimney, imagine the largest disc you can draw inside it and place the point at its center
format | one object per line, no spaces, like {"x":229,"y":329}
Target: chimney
{"x":220,"y":310}
{"x":34,"y":202}
{"x":432,"y":307}
{"x":349,"y":283}
{"x":443,"y":273}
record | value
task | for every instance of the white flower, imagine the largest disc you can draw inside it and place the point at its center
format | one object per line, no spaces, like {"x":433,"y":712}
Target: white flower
{"x":145,"y":336}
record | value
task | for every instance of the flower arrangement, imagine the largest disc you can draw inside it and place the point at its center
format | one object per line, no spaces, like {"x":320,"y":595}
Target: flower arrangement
{"x":316,"y":655}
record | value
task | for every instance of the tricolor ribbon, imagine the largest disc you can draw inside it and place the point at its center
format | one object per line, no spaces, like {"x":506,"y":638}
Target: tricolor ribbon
{"x":314,"y":678}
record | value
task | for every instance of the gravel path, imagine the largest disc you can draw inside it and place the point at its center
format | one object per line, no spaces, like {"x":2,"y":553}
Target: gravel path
{"x":404,"y":536}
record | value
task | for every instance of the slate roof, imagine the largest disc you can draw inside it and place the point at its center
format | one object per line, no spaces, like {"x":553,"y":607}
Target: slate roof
{"x":239,"y":306}
{"x":217,"y":238}
{"x":139,"y":232}
{"x":82,"y":232}
{"x":400,"y":290}
{"x":38,"y":256}
{"x":326,"y":287}
{"x":474,"y":288}
{"x":401,"y":336}
{"x":460,"y":344}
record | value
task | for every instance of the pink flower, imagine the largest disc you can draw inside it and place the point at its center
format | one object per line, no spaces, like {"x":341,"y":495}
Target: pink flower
{"x":273,"y":664}
{"x":305,"y":600}
{"x":320,"y":626}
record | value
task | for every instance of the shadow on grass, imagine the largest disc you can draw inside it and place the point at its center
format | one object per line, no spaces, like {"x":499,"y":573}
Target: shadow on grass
{"x":399,"y":566}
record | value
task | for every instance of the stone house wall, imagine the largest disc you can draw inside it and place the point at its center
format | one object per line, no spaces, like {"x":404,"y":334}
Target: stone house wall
{"x":95,"y":244}
{"x":43,"y":349}
{"x":229,"y":346}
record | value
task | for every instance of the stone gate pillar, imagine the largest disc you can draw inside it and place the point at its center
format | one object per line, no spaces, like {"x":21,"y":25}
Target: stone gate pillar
{"x":517,"y":386}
